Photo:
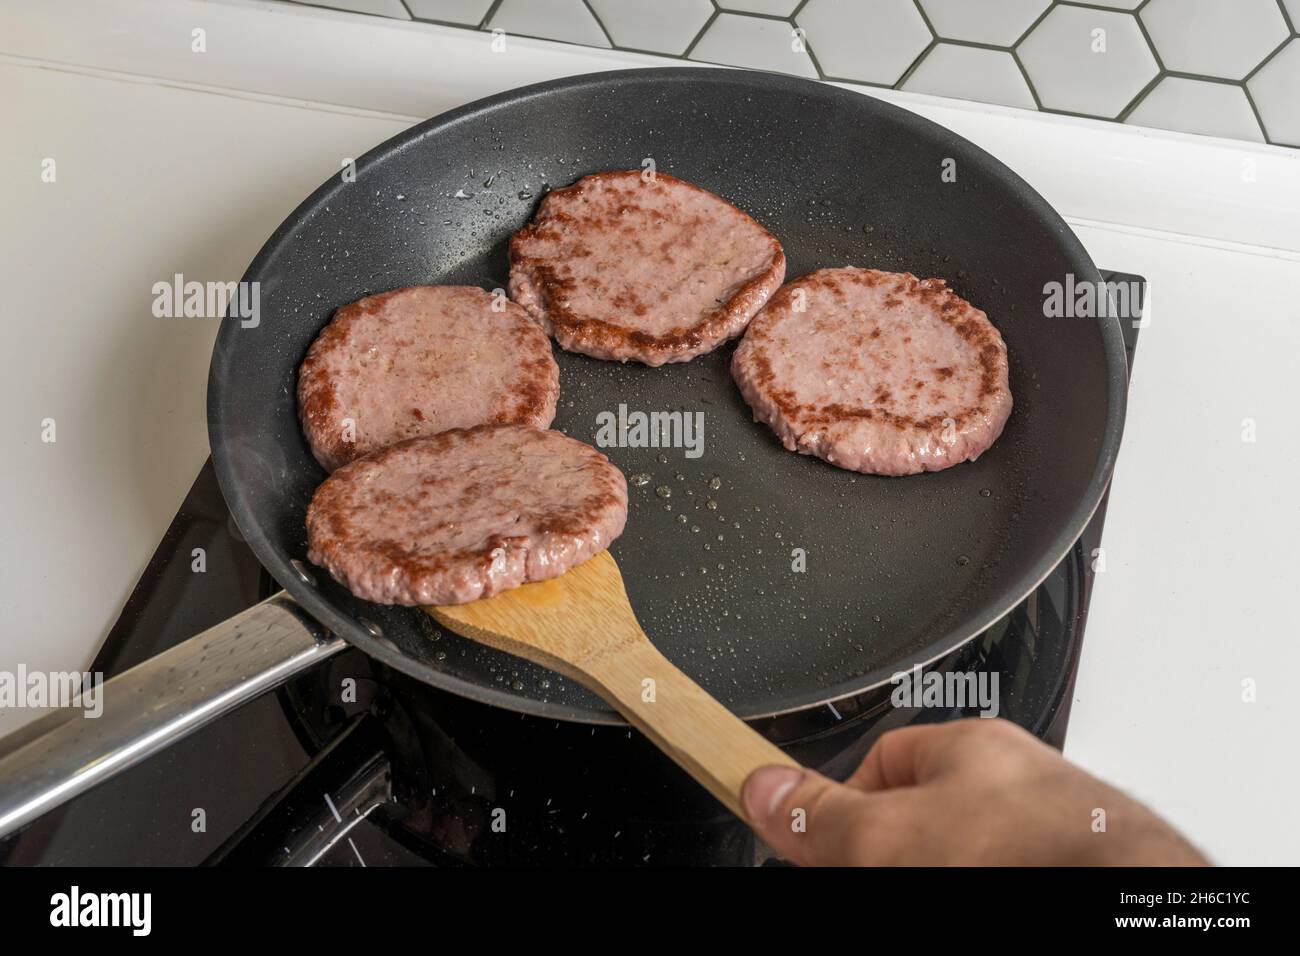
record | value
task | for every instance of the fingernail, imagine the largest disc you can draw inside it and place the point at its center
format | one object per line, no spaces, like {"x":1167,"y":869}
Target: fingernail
{"x":766,"y":788}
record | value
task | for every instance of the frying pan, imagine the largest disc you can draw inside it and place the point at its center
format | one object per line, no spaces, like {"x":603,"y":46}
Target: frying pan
{"x":775,"y":581}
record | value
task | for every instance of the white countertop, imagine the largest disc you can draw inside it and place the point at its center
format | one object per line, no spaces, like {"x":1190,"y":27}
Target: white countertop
{"x":170,"y":161}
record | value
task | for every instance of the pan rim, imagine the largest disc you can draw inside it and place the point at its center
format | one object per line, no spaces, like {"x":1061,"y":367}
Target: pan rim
{"x":278,"y":563}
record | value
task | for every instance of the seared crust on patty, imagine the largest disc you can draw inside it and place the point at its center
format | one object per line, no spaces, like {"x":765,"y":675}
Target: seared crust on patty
{"x":418,"y":361}
{"x":622,"y":266}
{"x":877,"y":372}
{"x":465,"y":514}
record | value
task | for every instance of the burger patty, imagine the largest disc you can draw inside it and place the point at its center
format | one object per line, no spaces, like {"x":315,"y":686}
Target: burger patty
{"x":465,"y":514}
{"x":624,"y":266}
{"x":419,"y":361}
{"x":877,"y":372}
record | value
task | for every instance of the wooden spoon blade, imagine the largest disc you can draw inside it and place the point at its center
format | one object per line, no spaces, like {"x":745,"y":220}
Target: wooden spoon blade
{"x":560,"y":623}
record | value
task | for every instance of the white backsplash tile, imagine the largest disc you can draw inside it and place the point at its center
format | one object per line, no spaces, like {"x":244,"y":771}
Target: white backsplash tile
{"x":470,"y":12}
{"x":1082,"y":60}
{"x":873,"y":41}
{"x":665,"y":26}
{"x":1226,"y":68}
{"x":552,"y":19}
{"x":759,"y":44}
{"x":997,"y":22}
{"x":1214,"y":37}
{"x":1276,"y":91}
{"x":1198,"y":106}
{"x":971,"y":73}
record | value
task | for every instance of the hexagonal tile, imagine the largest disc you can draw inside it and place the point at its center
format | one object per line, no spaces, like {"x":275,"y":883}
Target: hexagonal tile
{"x":1000,"y":22}
{"x":567,"y":20}
{"x":1274,"y":91}
{"x":971,"y":73}
{"x":1198,"y":106}
{"x":1083,"y":60}
{"x":666,"y":26}
{"x":754,"y":42}
{"x":470,"y":12}
{"x":1212,"y":37}
{"x":775,"y":8}
{"x":874,"y":41}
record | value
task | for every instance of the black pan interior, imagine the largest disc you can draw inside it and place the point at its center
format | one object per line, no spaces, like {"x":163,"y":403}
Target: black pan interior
{"x":898,"y":571}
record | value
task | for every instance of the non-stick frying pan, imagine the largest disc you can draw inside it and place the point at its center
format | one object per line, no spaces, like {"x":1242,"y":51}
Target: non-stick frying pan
{"x":774,"y":580}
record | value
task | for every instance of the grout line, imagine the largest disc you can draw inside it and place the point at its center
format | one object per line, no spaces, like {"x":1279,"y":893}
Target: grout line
{"x":755,"y":16}
{"x":974,"y":44}
{"x":1094,"y":6}
{"x":920,"y":57}
{"x":1286,"y":17}
{"x":1020,"y":64}
{"x":1265,"y":62}
{"x":1137,"y":100}
{"x":1151,"y":44}
{"x":916,"y":63}
{"x":1250,"y":97}
{"x":699,"y":36}
{"x":487,"y":17}
{"x":1202,"y":78}
{"x":1033,"y":90}
{"x":1259,"y":117}
{"x":600,"y":23}
{"x":1034,"y":26}
{"x":812,"y":57}
{"x":807,"y":44}
{"x":472,"y":28}
{"x":1161,"y":72}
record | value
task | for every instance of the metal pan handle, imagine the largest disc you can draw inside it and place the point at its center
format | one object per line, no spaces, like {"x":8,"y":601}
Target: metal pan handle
{"x":157,"y":702}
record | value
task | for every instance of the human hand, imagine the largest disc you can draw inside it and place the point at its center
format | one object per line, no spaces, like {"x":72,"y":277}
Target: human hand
{"x":974,"y":792}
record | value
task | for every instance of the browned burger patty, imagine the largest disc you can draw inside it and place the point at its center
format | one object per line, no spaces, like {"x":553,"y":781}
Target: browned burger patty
{"x":419,"y":361}
{"x":878,"y":372}
{"x":465,"y":514}
{"x":618,"y":267}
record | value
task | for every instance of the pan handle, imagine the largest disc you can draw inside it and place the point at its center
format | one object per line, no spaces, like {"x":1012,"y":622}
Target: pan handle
{"x":155,"y":703}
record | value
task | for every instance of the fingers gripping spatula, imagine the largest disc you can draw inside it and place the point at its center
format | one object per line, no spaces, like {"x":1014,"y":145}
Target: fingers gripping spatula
{"x":582,"y":625}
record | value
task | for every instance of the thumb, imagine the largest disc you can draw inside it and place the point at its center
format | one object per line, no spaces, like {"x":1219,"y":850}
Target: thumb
{"x":807,"y":818}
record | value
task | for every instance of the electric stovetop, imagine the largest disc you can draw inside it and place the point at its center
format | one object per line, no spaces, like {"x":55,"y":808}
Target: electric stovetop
{"x":391,"y":771}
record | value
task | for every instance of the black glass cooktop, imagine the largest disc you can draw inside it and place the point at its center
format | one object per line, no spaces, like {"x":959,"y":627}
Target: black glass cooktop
{"x":407,"y":774}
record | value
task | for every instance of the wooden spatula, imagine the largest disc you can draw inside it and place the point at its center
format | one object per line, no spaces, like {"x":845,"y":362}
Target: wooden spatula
{"x":581,"y":625}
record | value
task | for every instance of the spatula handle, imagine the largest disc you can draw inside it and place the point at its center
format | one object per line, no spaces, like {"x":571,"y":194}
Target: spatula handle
{"x":708,"y":741}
